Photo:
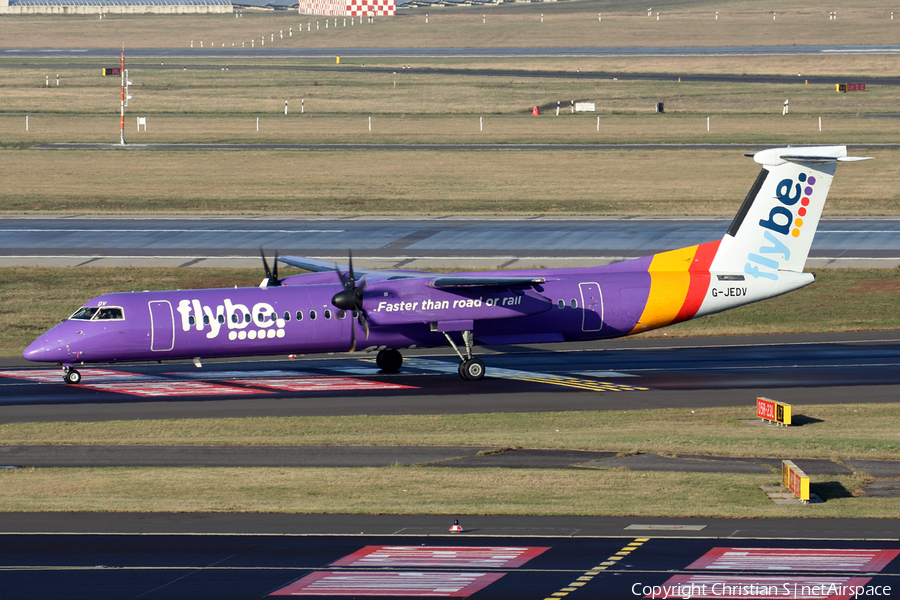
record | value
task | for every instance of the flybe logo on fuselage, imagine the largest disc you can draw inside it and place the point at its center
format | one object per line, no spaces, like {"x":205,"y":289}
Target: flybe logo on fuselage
{"x":260,"y":322}
{"x":781,"y":221}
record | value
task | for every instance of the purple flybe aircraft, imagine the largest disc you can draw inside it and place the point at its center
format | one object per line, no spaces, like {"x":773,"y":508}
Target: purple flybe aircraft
{"x":336,"y":308}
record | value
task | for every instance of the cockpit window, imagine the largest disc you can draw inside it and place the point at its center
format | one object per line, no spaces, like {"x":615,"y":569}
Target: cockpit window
{"x":103,"y":313}
{"x":109,"y":313}
{"x":84,"y":313}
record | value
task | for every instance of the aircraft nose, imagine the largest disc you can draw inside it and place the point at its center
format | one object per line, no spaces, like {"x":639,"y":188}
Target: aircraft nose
{"x":47,"y":348}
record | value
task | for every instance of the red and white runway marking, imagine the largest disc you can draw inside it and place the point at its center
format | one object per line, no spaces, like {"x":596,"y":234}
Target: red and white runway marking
{"x":411,"y":584}
{"x":733,"y":587}
{"x":319,"y":384}
{"x":473,"y":557}
{"x":794,"y":559}
{"x":152,"y":389}
{"x":55,"y":375}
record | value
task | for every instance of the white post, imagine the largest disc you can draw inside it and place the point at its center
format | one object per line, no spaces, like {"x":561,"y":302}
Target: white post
{"x":573,"y":107}
{"x":57,"y":80}
{"x":370,"y":123}
{"x":717,"y":15}
{"x":302,"y":100}
{"x":598,"y":123}
{"x":192,"y":43}
{"x":426,"y":18}
{"x":291,"y":32}
{"x":201,"y":43}
{"x":542,"y":17}
{"x":48,"y":81}
{"x":285,"y":107}
{"x":481,"y":123}
{"x":599,"y":17}
{"x":657,"y":15}
{"x":484,"y":18}
{"x":557,"y":108}
{"x":281,"y":34}
{"x":820,"y":124}
{"x":26,"y":123}
{"x":257,"y":123}
{"x":253,"y":43}
{"x":707,"y":124}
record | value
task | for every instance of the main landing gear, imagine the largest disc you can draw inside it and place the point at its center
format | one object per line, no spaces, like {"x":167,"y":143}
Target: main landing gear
{"x":389,"y":361}
{"x":71,"y":375}
{"x":470,"y":368}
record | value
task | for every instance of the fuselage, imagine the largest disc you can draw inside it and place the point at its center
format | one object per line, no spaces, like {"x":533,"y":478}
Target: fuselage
{"x":403,"y":311}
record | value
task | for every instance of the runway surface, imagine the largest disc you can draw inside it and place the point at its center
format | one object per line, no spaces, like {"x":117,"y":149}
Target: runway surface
{"x":634,"y":564}
{"x":616,"y":375}
{"x":398,"y":242}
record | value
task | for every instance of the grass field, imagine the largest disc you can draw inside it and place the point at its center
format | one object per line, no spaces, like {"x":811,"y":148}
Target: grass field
{"x":832,"y":431}
{"x":417,"y":490}
{"x":570,"y":24}
{"x":538,"y":182}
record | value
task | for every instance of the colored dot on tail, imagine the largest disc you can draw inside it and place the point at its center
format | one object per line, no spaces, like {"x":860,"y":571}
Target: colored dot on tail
{"x":795,"y":233}
{"x":802,"y":177}
{"x":807,"y":191}
{"x":798,"y":222}
{"x":812,"y":181}
{"x":805,"y":202}
{"x":802,"y":212}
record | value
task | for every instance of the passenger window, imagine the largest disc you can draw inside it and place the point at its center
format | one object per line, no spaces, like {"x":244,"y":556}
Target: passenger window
{"x":220,"y":318}
{"x":260,"y":317}
{"x":206,"y":319}
{"x":312,"y":315}
{"x":574,"y":303}
{"x":561,"y":304}
{"x":191,"y":320}
{"x":287,"y":316}
{"x":299,"y":315}
{"x":246,"y":317}
{"x":327,"y":314}
{"x":342,"y":313}
{"x":234,"y":318}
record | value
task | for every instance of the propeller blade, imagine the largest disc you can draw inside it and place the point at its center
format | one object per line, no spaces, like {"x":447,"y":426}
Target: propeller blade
{"x":364,"y":322}
{"x":265,"y":264}
{"x":271,"y":276}
{"x":352,"y":337}
{"x":275,"y":269}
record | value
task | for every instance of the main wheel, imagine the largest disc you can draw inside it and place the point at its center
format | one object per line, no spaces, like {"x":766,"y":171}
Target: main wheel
{"x":462,"y":371}
{"x":72,"y":377}
{"x":389,"y":361}
{"x":473,"y":369}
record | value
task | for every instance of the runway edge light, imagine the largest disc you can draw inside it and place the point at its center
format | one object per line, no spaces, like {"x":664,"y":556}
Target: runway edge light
{"x":456,"y":527}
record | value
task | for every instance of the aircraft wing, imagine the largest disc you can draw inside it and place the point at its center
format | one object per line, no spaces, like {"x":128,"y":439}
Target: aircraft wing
{"x":320,"y":266}
{"x":457,"y":281}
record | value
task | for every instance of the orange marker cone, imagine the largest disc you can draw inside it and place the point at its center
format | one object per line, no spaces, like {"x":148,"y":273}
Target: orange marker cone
{"x":456,"y":527}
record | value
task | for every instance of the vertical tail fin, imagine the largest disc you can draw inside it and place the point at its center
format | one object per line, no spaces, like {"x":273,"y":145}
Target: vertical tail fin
{"x":774,"y":229}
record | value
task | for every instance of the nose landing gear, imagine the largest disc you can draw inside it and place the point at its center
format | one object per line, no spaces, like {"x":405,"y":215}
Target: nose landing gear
{"x":71,"y":376}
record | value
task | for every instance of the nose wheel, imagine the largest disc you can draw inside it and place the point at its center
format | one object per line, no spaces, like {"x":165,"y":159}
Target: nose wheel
{"x":71,"y":376}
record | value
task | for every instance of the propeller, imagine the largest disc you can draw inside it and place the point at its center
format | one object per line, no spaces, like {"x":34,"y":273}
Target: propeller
{"x":271,"y":276}
{"x":351,"y":299}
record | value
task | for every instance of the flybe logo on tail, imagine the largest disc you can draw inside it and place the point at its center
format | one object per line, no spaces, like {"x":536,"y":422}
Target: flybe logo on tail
{"x":782,"y":221}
